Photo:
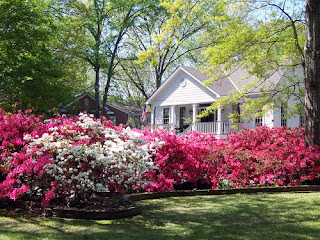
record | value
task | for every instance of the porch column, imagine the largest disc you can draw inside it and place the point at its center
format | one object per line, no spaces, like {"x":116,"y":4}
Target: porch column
{"x":219,"y":122}
{"x":152,"y":120}
{"x":194,"y":115}
{"x":173,"y":116}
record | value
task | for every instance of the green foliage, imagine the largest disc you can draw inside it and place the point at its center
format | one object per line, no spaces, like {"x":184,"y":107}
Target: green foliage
{"x":104,"y":27}
{"x":134,"y":81}
{"x":30,"y":70}
{"x":264,"y":47}
{"x":178,"y":37}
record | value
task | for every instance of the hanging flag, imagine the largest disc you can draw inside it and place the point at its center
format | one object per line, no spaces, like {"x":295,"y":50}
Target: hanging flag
{"x":144,"y":113}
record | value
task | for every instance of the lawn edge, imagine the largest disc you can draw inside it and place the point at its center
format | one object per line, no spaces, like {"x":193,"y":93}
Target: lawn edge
{"x":181,"y":193}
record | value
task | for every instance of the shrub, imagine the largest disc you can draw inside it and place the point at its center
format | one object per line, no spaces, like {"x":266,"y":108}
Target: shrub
{"x":180,"y":160}
{"x":69,"y":160}
{"x":254,"y":157}
{"x":269,"y":156}
{"x":13,"y":127}
{"x":75,"y":158}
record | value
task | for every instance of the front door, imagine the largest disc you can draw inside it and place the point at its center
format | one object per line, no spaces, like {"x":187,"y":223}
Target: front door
{"x":212,"y":117}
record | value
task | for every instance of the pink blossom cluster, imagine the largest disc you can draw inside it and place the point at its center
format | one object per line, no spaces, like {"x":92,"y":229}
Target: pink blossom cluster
{"x":68,"y":160}
{"x":250,"y":158}
{"x":13,"y":127}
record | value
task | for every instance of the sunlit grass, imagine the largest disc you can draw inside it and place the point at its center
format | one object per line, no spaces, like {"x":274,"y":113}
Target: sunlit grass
{"x":260,"y":216}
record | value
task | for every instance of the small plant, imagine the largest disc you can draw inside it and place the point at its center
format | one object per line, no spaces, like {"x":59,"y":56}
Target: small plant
{"x":224,"y":184}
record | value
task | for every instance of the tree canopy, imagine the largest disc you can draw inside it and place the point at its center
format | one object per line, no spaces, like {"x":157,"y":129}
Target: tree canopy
{"x":266,"y":36}
{"x":178,"y":34}
{"x":50,"y":49}
{"x":31,"y":70}
{"x":262,"y":46}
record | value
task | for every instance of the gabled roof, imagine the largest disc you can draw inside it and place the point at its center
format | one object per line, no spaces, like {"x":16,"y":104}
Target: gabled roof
{"x":225,"y":82}
{"x":221,"y":86}
{"x":242,"y":78}
{"x":127,"y":108}
{"x":78,"y":97}
{"x":191,"y":71}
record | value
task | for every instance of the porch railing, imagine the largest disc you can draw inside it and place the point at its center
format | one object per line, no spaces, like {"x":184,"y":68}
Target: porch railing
{"x":218,"y":128}
{"x":166,"y":127}
{"x":214,"y":127}
{"x":206,"y":127}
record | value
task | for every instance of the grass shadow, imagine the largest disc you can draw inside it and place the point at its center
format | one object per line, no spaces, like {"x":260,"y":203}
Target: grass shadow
{"x":260,"y":216}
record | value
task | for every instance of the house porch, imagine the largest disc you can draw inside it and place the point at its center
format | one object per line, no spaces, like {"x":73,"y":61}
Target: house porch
{"x":183,"y":119}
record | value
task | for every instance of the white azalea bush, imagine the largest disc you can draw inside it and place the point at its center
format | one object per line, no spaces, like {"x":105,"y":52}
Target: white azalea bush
{"x":86,"y":156}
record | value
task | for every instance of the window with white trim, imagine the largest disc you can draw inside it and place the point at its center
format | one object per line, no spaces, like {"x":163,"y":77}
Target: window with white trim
{"x":283,"y":115}
{"x":258,"y":120}
{"x":302,"y":119}
{"x":165,"y":115}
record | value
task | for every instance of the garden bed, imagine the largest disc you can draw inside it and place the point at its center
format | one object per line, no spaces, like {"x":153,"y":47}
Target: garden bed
{"x":101,"y":209}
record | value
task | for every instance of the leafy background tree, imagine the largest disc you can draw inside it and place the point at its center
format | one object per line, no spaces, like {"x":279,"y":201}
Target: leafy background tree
{"x":262,"y":47}
{"x":178,"y":35}
{"x":272,"y":42}
{"x":31,"y":70}
{"x":106,"y":25}
{"x":122,"y":50}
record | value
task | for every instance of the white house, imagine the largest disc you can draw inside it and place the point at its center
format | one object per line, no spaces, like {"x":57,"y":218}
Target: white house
{"x":183,"y":96}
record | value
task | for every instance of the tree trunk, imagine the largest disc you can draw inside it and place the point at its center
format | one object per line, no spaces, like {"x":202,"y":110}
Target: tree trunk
{"x":97,"y":90}
{"x":106,"y":90}
{"x":158,"y":78}
{"x":312,"y":72}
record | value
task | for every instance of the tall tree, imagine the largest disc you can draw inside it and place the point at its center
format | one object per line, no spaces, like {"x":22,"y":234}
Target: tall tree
{"x":128,"y":13}
{"x":30,"y":69}
{"x":135,"y":81}
{"x":107,"y":24}
{"x":93,"y":18}
{"x":184,"y":21}
{"x":269,"y":35}
{"x":264,"y":37}
{"x":312,"y":72}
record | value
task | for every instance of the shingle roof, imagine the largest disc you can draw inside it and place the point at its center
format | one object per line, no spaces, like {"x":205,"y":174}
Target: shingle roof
{"x":236,"y":78}
{"x":222,"y":86}
{"x":133,"y":109}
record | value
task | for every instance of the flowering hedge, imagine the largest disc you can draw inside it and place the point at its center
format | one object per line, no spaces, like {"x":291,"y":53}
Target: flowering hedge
{"x":253,"y":157}
{"x":180,"y":159}
{"x":68,"y":160}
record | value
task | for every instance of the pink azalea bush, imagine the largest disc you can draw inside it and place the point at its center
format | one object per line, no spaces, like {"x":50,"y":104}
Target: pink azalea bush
{"x":68,"y":160}
{"x":73,"y":158}
{"x":13,"y":127}
{"x":268,"y":156}
{"x":253,"y":157}
{"x":180,"y":159}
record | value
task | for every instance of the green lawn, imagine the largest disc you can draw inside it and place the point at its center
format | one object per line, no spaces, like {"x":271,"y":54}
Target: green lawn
{"x":260,"y":216}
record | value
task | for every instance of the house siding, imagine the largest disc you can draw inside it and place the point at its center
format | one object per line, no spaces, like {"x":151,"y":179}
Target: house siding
{"x":121,"y":117}
{"x":159,"y":115}
{"x":291,"y":122}
{"x":192,"y":92}
{"x":193,"y":96}
{"x":272,"y":118}
{"x":226,"y":111}
{"x":80,"y":105}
